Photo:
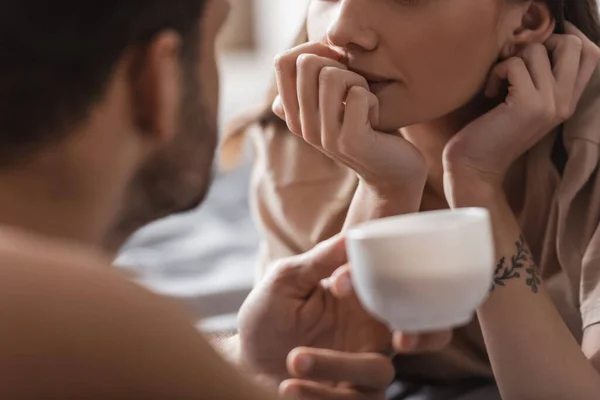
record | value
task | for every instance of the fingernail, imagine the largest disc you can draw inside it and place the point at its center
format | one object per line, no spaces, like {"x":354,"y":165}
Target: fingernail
{"x":304,"y":364}
{"x":278,"y":107}
{"x":407,"y":342}
{"x":344,"y":285}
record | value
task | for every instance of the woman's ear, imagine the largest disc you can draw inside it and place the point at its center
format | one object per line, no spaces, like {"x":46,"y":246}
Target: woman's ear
{"x":535,"y":24}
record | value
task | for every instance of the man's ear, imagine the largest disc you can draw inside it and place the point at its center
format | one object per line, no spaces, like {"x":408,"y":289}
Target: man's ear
{"x":535,"y":24}
{"x":157,"y":77}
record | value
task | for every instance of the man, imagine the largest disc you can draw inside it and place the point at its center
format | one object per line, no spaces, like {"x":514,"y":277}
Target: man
{"x":107,"y":123}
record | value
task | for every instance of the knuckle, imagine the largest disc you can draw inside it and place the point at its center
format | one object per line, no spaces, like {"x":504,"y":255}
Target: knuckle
{"x":362,"y":81}
{"x":573,"y":41}
{"x":515,"y":62}
{"x":564,"y":112}
{"x":545,"y":112}
{"x":535,"y":49}
{"x":357,"y":92}
{"x":305,"y":61}
{"x":328,"y":76}
{"x":282,"y":60}
{"x":283,"y":268}
{"x":594,"y":53}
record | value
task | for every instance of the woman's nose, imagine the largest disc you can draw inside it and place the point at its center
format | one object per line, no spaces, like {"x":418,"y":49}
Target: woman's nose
{"x":351,"y":27}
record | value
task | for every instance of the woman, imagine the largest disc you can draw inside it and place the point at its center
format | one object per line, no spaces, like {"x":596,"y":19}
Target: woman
{"x":371,"y":69}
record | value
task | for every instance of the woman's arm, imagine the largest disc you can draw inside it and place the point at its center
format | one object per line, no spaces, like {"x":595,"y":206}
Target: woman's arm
{"x":300,"y":196}
{"x":533,"y":354}
{"x":371,"y":203}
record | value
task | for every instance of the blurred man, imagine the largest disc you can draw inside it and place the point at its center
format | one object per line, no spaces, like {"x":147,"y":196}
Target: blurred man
{"x":107,"y":122}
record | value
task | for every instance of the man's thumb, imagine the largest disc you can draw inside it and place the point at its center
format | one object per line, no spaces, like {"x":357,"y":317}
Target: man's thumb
{"x":322,"y":261}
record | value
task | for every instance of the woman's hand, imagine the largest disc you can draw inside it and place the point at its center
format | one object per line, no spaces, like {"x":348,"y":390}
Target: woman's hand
{"x":333,"y":110}
{"x":543,"y":92}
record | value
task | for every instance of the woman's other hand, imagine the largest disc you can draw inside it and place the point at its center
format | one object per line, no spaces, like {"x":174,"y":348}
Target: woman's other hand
{"x":333,"y":110}
{"x":545,"y":82}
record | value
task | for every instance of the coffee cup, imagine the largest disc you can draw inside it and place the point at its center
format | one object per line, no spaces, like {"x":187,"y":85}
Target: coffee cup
{"x":423,"y":272}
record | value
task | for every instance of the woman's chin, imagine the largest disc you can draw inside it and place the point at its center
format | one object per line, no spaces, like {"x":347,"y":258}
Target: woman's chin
{"x":390,"y":125}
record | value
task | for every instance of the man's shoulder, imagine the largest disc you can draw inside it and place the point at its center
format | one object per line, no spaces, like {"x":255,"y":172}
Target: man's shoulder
{"x":31,"y":250}
{"x":32,"y":265}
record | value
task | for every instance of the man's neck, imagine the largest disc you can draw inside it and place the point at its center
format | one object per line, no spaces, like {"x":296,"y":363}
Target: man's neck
{"x":52,"y":203}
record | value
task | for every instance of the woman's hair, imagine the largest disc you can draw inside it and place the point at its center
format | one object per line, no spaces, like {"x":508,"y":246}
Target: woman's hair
{"x":581,"y":13}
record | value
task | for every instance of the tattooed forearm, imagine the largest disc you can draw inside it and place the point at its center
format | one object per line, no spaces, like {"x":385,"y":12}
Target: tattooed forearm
{"x":521,"y":264}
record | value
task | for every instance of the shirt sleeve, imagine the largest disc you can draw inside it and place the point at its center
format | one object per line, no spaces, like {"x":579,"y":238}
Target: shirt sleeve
{"x":590,"y":283}
{"x":299,"y":196}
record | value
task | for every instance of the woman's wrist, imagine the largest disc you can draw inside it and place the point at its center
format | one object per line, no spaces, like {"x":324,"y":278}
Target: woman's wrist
{"x":469,"y":190}
{"x":407,"y":192}
{"x":374,"y":202}
{"x":392,"y":188}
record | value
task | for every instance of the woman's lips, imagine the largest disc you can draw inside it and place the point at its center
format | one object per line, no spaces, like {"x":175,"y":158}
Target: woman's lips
{"x":377,"y":86}
{"x":376,"y":82}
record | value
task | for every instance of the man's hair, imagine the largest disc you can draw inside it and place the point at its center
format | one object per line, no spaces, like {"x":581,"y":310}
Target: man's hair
{"x":57,"y":56}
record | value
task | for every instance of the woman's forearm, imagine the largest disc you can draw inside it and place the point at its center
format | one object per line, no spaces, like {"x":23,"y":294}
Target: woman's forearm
{"x":533,"y":354}
{"x":371,"y":203}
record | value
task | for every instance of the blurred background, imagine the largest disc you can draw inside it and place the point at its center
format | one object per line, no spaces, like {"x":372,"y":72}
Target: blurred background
{"x":207,"y":258}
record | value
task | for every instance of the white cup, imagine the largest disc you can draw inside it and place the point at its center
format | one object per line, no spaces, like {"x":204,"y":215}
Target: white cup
{"x":423,"y":272}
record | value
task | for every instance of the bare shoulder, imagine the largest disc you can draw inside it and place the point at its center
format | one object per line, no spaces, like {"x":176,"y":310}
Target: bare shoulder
{"x":78,"y":329}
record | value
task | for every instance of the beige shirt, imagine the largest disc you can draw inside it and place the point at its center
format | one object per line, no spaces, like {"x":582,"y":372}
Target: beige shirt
{"x":301,"y":197}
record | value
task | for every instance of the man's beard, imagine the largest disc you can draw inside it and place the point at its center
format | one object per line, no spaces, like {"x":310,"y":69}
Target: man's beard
{"x":177,"y":178}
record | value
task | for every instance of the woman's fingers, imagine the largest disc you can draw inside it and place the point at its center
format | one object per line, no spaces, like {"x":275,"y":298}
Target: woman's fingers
{"x":408,"y":343}
{"x":361,"y":112}
{"x":277,"y":108}
{"x":286,"y":75}
{"x":368,"y":371}
{"x":334,"y":85}
{"x":515,"y":72}
{"x":590,"y":57}
{"x":566,"y":58}
{"x":538,"y":64}
{"x":309,"y":68}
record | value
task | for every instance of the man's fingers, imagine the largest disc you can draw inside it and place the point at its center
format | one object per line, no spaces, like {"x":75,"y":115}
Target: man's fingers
{"x":408,"y":343}
{"x":295,"y":389}
{"x":304,"y":272}
{"x":363,"y":370}
{"x":341,"y":282}
{"x":320,"y":262}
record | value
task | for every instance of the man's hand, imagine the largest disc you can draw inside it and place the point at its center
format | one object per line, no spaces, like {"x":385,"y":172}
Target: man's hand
{"x":317,"y":344}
